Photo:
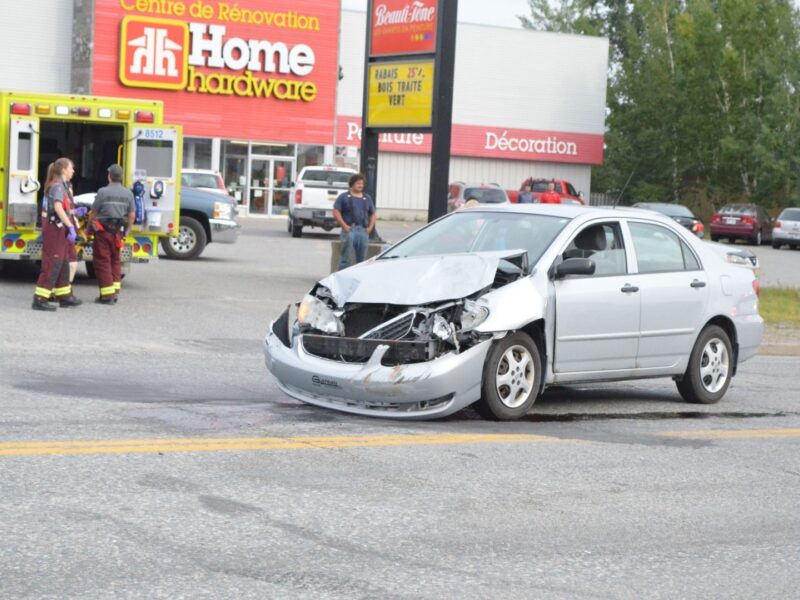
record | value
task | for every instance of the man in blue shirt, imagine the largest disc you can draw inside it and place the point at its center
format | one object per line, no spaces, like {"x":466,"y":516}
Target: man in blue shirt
{"x":355,"y":212}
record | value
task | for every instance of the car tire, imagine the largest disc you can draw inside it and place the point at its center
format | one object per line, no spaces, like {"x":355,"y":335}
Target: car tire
{"x":297,"y":230}
{"x":792,"y":246}
{"x":289,"y":224}
{"x":710,"y":368}
{"x":190,"y":242}
{"x":756,"y":241}
{"x":715,"y":238}
{"x":512,"y":377}
{"x":777,"y":245}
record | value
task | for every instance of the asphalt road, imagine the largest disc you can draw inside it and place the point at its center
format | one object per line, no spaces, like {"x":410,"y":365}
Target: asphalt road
{"x":145,"y":453}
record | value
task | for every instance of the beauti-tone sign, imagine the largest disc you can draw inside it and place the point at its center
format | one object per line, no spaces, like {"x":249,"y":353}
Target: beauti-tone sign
{"x":263,"y":70}
{"x":403,"y":27}
{"x":488,"y":142}
{"x":400,"y":94}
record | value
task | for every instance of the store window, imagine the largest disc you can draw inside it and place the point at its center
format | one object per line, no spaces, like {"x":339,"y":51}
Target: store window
{"x":273,"y":149}
{"x":233,"y":166}
{"x":309,"y":156}
{"x":196,"y":153}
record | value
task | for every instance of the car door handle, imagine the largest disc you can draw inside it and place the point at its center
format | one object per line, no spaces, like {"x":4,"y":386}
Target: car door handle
{"x":698,"y":284}
{"x":628,"y":288}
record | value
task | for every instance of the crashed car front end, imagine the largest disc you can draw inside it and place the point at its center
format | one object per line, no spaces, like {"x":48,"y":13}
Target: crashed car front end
{"x":341,"y":348}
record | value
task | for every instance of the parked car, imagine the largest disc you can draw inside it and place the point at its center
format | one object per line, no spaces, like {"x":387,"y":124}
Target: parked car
{"x":494,"y":304}
{"x":682,"y":214}
{"x":458,"y":193}
{"x":205,"y":179}
{"x":741,"y":222}
{"x":538,"y":186}
{"x":312,"y":197}
{"x":786,"y":229}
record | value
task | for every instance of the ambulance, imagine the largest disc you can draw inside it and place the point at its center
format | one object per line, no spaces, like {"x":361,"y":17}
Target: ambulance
{"x":93,"y":132}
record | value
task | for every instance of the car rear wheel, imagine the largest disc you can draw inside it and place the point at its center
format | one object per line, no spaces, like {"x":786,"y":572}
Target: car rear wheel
{"x":189,"y":243}
{"x":295,"y":228}
{"x":714,"y":238}
{"x":512,"y":378}
{"x":756,"y":241}
{"x":710,"y":368}
{"x":776,"y":245}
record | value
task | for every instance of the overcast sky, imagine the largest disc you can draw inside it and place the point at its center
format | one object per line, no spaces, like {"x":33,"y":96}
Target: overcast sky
{"x":501,"y":13}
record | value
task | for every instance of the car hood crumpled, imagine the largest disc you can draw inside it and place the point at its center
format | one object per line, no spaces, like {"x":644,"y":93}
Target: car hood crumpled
{"x":416,"y":280}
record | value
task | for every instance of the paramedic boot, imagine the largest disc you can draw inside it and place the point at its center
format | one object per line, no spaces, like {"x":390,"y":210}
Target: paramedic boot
{"x":42,"y":304}
{"x":69,"y":302}
{"x":106,"y":300}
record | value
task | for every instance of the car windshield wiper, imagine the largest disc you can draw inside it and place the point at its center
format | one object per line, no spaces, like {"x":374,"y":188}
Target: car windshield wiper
{"x":389,"y":257}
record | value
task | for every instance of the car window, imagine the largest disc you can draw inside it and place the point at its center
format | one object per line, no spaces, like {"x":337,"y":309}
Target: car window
{"x":485,"y":195}
{"x":571,"y":190}
{"x":659,"y":250}
{"x":738,"y":209}
{"x":333,"y":178}
{"x":603,"y":244}
{"x":790,"y":214}
{"x":200,"y":180}
{"x":541,"y":186}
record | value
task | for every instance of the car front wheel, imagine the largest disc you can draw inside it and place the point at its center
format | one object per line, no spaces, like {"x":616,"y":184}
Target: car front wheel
{"x":189,"y":243}
{"x":512,"y":378}
{"x":710,"y":368}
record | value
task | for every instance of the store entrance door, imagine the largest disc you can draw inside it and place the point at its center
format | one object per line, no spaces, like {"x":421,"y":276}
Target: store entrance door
{"x":270,"y":180}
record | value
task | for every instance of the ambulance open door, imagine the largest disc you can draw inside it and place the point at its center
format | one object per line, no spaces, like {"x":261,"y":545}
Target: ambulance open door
{"x":23,"y":163}
{"x":155,"y":160}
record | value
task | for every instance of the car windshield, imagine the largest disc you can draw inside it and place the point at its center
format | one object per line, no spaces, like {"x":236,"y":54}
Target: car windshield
{"x":738,"y":209}
{"x":790,"y":214}
{"x":200,"y":180}
{"x":671,"y":210}
{"x":541,"y":186}
{"x":485,"y":195}
{"x":476,"y":231}
{"x":334,"y":178}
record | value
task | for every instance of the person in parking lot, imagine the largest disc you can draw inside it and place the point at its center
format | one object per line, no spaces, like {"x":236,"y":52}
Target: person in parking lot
{"x":354,"y":210}
{"x":551,"y":196}
{"x":526,"y":195}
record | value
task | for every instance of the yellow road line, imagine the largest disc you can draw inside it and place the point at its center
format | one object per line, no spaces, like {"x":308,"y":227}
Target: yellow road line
{"x":267,"y":443}
{"x":734,"y":434}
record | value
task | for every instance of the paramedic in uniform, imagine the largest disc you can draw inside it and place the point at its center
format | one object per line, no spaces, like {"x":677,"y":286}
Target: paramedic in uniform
{"x":58,"y":233}
{"x":113,"y":213}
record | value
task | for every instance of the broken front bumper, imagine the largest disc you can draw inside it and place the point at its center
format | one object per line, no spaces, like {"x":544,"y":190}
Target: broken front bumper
{"x":422,"y":390}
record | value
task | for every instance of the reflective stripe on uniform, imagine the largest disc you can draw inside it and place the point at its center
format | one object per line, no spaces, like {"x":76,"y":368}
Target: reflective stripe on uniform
{"x":43,"y":292}
{"x":108,"y":291}
{"x":63,"y":291}
{"x":117,"y":285}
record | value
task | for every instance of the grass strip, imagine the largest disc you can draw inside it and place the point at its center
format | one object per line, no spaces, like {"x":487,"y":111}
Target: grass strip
{"x":780,"y":305}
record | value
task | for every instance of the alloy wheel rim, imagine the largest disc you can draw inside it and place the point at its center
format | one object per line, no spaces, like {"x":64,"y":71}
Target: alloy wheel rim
{"x":714,"y":365}
{"x":185,"y":241}
{"x":514,"y":376}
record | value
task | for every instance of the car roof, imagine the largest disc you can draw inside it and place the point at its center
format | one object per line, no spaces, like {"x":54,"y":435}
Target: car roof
{"x":573,"y":210}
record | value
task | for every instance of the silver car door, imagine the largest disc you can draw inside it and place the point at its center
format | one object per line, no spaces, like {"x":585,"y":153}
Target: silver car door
{"x":597,"y":316}
{"x":674,"y":293}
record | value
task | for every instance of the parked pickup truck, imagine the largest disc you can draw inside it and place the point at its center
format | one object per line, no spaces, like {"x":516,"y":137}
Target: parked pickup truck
{"x":205,"y":217}
{"x":538,"y":186}
{"x":312,"y":198}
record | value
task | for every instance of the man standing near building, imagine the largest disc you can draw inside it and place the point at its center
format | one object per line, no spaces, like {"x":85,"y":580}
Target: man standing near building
{"x":355,"y":212}
{"x":113,"y":213}
{"x":551,"y":196}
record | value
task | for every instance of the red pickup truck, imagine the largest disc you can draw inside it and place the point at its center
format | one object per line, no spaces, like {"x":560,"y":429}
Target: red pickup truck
{"x":539,"y":186}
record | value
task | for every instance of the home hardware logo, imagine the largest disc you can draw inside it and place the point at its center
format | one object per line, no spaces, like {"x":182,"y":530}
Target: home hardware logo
{"x":166,"y":54}
{"x":153,"y":53}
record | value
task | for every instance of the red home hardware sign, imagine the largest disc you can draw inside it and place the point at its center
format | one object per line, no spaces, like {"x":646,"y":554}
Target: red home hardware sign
{"x":403,"y":27}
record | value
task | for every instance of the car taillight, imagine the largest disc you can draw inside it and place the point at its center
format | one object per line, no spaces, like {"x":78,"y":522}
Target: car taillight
{"x":756,"y":287}
{"x":20,"y":108}
{"x":144,"y":116}
{"x":715,"y":218}
{"x":298,"y":196}
{"x":698,"y":228}
{"x":748,"y":220}
{"x":776,"y":225}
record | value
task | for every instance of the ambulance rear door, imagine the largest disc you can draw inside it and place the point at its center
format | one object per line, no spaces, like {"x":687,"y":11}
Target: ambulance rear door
{"x":23,"y":164}
{"x":155,"y":160}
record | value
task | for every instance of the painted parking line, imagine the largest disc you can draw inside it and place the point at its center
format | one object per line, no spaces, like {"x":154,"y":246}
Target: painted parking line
{"x":265,"y":443}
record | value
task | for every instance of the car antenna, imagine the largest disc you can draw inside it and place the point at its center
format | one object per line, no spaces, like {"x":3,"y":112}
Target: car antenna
{"x":625,"y":187}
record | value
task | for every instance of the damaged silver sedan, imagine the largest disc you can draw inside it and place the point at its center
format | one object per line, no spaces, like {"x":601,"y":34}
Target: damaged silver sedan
{"x":492,"y":305}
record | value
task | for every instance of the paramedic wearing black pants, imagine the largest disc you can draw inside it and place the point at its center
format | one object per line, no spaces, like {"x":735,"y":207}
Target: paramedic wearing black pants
{"x":355,"y":212}
{"x":113,"y":213}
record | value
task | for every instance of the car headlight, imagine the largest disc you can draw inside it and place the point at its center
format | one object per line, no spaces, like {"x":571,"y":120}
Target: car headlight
{"x":473,"y":315}
{"x":223,"y":210}
{"x":314,"y":313}
{"x":738,"y":259}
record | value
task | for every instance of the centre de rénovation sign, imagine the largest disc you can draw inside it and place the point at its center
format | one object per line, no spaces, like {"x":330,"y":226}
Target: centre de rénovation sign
{"x":400,"y":92}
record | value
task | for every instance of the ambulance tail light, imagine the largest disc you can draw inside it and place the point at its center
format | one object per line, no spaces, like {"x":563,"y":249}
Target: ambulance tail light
{"x":144,"y":116}
{"x":20,"y":244}
{"x":147,"y":248}
{"x":83,"y":111}
{"x":62,"y":111}
{"x":298,"y":196}
{"x":136,"y":247}
{"x":42,"y":109}
{"x":104,"y":113}
{"x":20,"y":108}
{"x":124,"y":114}
{"x":7,"y":243}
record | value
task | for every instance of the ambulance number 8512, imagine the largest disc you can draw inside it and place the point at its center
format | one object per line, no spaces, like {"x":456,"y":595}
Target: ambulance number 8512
{"x":153,"y":134}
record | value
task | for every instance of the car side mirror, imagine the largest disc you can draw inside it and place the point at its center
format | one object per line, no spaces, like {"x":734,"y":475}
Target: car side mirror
{"x":575,"y":266}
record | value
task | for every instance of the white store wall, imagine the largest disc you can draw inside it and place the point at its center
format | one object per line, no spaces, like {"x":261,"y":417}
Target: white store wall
{"x":37,"y":46}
